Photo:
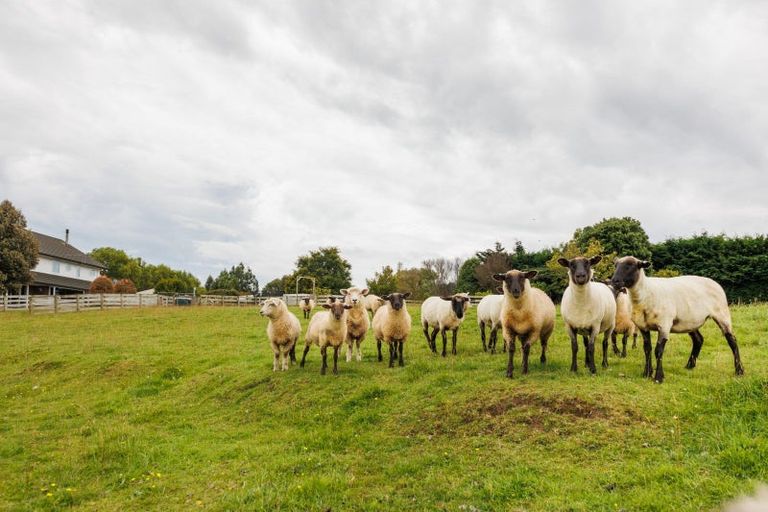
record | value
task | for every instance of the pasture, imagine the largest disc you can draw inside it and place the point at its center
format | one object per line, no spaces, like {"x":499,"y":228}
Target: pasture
{"x":178,"y":409}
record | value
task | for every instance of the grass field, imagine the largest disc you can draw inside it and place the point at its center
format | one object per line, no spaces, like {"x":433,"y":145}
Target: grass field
{"x":178,"y":409}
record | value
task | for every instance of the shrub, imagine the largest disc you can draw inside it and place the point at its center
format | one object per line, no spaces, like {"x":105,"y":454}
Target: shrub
{"x":102,"y":284}
{"x":125,"y":286}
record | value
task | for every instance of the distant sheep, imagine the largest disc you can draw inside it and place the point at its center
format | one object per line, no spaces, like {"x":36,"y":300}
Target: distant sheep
{"x":358,"y":322}
{"x":674,"y":305}
{"x":624,"y":323}
{"x":443,"y":314}
{"x":283,"y":330}
{"x":489,"y":313}
{"x":307,"y":305}
{"x":327,"y":328}
{"x":526,"y":313}
{"x":392,"y":325}
{"x":588,"y":308}
{"x":373,"y":303}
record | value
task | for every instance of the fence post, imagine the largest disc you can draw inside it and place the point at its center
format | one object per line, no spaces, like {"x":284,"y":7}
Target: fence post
{"x":77,"y":304}
{"x":101,"y":303}
{"x":122,"y":302}
{"x":159,"y":299}
{"x":30,"y":303}
{"x":140,"y":296}
{"x":55,"y":303}
{"x":5,"y":302}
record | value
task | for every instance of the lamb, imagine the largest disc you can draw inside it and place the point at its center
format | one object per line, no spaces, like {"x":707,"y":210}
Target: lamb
{"x":307,"y":305}
{"x":443,"y":314}
{"x":527,"y":313}
{"x":674,"y":305}
{"x":327,"y":328}
{"x":588,"y":308}
{"x":489,"y":313}
{"x":283,"y":331}
{"x":358,"y":322}
{"x":624,"y":323}
{"x":373,"y":303}
{"x":392,"y":325}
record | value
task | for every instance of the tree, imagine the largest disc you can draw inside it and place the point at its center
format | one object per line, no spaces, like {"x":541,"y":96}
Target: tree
{"x":383,"y":283}
{"x":327,"y":266}
{"x":238,"y":278}
{"x":102,"y":284}
{"x":467,"y":281}
{"x":125,"y":286}
{"x":419,"y":281}
{"x":114,"y":259}
{"x":623,"y":236}
{"x":172,"y":285}
{"x":209,"y":283}
{"x":122,"y":266}
{"x":274,"y":288}
{"x":445,"y":274}
{"x":18,"y":249}
{"x":494,"y":263}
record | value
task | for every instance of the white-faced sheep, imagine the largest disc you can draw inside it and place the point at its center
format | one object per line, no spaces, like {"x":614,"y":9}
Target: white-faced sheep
{"x":283,"y":330}
{"x":489,"y":313}
{"x":392,"y":325}
{"x":358,"y":322}
{"x":527,"y":313}
{"x":443,"y":314}
{"x":588,"y":308}
{"x":373,"y":303}
{"x":307,"y":305}
{"x":624,"y":324}
{"x":674,"y":305}
{"x":327,"y":328}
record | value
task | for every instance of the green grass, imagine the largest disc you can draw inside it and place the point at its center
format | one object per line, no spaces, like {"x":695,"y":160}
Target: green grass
{"x":178,"y":409}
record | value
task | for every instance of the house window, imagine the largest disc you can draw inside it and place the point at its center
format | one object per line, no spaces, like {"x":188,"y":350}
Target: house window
{"x":68,"y":267}
{"x":56,"y":267}
{"x":78,"y":272}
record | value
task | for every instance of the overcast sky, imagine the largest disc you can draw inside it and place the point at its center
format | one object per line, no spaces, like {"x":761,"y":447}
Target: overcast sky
{"x":200,"y":134}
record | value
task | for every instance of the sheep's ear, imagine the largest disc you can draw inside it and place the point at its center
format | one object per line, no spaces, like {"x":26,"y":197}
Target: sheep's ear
{"x":594,"y":260}
{"x":499,"y":277}
{"x":500,"y":289}
{"x":364,"y":292}
{"x":384,"y":298}
{"x":447,"y":298}
{"x":347,"y":306}
{"x":406,"y":295}
{"x":563,"y":262}
{"x":327,"y":306}
{"x":623,"y":290}
{"x":531,"y":274}
{"x":343,"y":291}
{"x":643,"y":264}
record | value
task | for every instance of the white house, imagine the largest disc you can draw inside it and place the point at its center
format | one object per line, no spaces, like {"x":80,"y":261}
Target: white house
{"x":62,"y":269}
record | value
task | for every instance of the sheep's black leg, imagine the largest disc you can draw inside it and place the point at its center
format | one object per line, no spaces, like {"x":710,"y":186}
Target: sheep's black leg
{"x":425,"y":329}
{"x":697,"y":340}
{"x":378,"y":348}
{"x":648,"y":371}
{"x":494,"y":338}
{"x":544,"y":340}
{"x":292,"y":353}
{"x":624,"y":344}
{"x":661,"y":342}
{"x":511,"y":361}
{"x":634,"y":339}
{"x":392,"y":350}
{"x":525,"y":346}
{"x":605,"y":350}
{"x":453,"y":341}
{"x":433,"y":343}
{"x":400,"y":360}
{"x":304,"y":357}
{"x":336,"y":360}
{"x":585,"y":339}
{"x":591,"y":350}
{"x":613,"y":342}
{"x":574,"y":347}
{"x":735,"y":349}
{"x":324,"y":352}
{"x":445,"y":340}
{"x":482,"y":336}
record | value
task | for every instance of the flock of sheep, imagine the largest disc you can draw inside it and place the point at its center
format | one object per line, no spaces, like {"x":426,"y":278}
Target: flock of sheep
{"x":629,"y":302}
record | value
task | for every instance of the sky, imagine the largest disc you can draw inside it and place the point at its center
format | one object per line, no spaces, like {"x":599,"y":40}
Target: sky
{"x":201,"y":134}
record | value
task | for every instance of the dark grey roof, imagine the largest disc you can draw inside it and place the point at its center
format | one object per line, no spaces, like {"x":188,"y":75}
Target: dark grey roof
{"x":57,"y":248}
{"x":38,"y":278}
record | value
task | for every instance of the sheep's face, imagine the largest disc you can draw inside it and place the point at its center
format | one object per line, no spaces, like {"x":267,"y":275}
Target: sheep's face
{"x":270,"y":307}
{"x":459,"y":303}
{"x":305,"y":300}
{"x":627,"y":271}
{"x":397,"y":300}
{"x":354,"y":296}
{"x":514,"y":281}
{"x":580,"y":269}
{"x":337,"y":308}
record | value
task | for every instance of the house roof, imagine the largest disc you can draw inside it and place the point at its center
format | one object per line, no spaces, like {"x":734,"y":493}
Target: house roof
{"x":57,"y":248}
{"x":39,"y":278}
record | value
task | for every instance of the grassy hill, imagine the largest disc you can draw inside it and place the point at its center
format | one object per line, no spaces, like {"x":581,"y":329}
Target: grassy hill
{"x":178,"y":409}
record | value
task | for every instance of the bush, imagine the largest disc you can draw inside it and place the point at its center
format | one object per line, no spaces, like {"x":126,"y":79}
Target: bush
{"x":125,"y":286}
{"x":102,"y":284}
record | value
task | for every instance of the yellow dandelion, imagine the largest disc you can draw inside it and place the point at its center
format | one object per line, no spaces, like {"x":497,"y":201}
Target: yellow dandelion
{"x":49,"y":494}
{"x":53,"y":485}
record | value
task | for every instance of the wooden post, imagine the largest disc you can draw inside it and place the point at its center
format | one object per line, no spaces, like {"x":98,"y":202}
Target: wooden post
{"x":55,"y":303}
{"x":122,"y":302}
{"x":30,"y":303}
{"x":77,"y":303}
{"x":5,"y":302}
{"x":101,"y":301}
{"x":140,"y":296}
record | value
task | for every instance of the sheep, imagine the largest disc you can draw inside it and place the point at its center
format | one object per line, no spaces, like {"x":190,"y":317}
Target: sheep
{"x":588,"y":308}
{"x":373,"y":303}
{"x":624,"y":323}
{"x":443,"y":314}
{"x":489,"y":313}
{"x":527,"y":313}
{"x":307,"y":305}
{"x":283,"y":331}
{"x":756,"y":503}
{"x":673,"y":305}
{"x":327,"y":328}
{"x":392,"y":325}
{"x":358,"y":322}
